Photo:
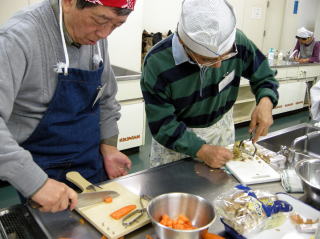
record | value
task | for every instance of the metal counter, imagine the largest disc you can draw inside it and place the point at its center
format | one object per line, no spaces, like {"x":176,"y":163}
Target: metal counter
{"x":292,"y":64}
{"x":125,"y":74}
{"x":185,"y":175}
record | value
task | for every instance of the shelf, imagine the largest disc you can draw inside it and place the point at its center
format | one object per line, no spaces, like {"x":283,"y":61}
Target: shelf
{"x":245,"y":93}
{"x":242,"y":119}
{"x":242,"y":111}
{"x":245,"y":101}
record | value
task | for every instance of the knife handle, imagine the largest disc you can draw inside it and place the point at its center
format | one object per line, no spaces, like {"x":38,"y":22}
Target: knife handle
{"x":77,"y":179}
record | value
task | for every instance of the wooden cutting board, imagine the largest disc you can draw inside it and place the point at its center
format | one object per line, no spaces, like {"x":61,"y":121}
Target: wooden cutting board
{"x":99,"y":214}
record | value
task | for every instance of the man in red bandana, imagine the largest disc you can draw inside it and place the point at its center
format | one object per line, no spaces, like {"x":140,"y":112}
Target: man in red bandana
{"x":60,"y":113}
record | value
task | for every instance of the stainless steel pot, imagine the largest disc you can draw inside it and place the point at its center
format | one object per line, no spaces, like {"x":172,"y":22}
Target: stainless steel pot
{"x":309,"y":172}
{"x":199,"y":210}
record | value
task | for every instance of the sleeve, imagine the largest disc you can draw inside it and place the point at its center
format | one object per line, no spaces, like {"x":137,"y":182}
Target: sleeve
{"x":315,"y":54}
{"x":261,"y":76}
{"x":16,"y":164}
{"x":109,"y":106}
{"x":163,"y":123}
{"x":297,"y":49}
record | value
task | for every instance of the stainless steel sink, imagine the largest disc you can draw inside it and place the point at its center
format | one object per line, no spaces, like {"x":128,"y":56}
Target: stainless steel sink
{"x":286,"y":137}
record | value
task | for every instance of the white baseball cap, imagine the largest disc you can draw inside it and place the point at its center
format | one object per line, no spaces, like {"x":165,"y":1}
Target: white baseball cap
{"x":207,"y":27}
{"x":304,"y":33}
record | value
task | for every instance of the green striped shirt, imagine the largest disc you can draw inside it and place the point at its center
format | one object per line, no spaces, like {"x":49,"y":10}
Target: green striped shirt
{"x":172,"y":91}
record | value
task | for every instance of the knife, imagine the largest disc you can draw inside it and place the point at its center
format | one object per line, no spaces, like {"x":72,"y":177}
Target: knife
{"x":89,"y":195}
{"x":90,"y":198}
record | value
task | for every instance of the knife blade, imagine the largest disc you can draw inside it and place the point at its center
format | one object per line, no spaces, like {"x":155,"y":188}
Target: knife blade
{"x":90,"y":198}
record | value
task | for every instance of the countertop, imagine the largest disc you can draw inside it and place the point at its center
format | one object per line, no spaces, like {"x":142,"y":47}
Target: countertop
{"x":284,"y":64}
{"x":186,"y":175}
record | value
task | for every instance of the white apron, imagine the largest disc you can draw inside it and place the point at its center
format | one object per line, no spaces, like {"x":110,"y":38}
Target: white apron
{"x":315,"y":101}
{"x":222,"y":133}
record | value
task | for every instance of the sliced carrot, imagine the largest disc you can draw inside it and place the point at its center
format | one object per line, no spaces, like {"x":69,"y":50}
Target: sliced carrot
{"x":208,"y":235}
{"x":181,"y":223}
{"x":108,"y":199}
{"x":122,"y":211}
{"x":149,"y":237}
{"x":103,"y":237}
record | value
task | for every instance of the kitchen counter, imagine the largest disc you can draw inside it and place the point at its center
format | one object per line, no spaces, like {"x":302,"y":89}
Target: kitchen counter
{"x":186,"y":175}
{"x":292,"y":64}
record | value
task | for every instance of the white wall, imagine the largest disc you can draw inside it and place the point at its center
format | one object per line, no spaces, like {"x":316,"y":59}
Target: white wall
{"x":308,"y":13}
{"x":238,"y":7}
{"x":289,"y":29}
{"x":9,"y":7}
{"x":126,"y":41}
{"x":273,"y":25}
{"x":161,"y":15}
{"x":317,"y":26}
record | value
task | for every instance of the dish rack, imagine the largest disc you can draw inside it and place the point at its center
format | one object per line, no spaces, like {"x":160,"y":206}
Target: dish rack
{"x":17,"y":222}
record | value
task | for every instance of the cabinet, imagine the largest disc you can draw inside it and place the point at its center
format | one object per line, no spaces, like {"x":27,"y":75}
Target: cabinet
{"x":132,"y":122}
{"x":293,"y":100}
{"x":293,"y":80}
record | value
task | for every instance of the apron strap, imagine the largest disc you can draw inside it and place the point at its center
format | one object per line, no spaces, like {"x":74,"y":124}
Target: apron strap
{"x":66,"y":65}
{"x":96,"y":58}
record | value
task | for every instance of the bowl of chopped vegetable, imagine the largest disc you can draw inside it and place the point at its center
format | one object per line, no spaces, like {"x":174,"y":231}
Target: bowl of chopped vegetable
{"x":181,"y":216}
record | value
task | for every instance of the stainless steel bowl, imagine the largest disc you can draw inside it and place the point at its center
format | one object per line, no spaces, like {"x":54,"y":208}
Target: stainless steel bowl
{"x":199,"y":210}
{"x":309,"y":172}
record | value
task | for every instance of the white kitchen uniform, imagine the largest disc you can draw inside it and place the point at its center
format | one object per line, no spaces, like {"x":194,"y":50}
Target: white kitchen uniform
{"x":222,"y":133}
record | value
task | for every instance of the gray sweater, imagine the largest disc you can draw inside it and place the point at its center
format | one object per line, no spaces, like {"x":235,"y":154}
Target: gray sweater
{"x":30,"y":48}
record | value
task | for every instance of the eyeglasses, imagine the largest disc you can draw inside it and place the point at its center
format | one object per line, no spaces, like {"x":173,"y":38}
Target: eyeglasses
{"x":210,"y":62}
{"x":302,"y":38}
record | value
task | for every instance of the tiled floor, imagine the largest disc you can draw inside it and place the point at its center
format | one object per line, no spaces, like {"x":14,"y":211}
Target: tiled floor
{"x":8,"y":196}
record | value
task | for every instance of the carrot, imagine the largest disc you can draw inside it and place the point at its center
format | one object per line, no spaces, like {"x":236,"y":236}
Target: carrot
{"x":122,"y":211}
{"x":103,"y":237}
{"x":149,"y":237}
{"x":108,"y":199}
{"x":208,"y":235}
{"x":181,"y":223}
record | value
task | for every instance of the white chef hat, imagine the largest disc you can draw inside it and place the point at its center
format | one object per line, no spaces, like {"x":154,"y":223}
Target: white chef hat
{"x":207,"y":27}
{"x":304,"y":33}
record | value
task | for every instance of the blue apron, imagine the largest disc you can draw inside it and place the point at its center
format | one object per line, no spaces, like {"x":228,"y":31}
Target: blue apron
{"x":68,"y":136}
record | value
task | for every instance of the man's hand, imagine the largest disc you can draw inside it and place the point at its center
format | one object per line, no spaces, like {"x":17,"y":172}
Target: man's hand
{"x":55,"y":196}
{"x":214,"y":156}
{"x":261,"y":118}
{"x":116,"y":163}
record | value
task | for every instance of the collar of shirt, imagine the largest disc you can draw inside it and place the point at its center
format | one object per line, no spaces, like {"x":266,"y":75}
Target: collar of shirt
{"x":179,"y":54}
{"x":69,"y":41}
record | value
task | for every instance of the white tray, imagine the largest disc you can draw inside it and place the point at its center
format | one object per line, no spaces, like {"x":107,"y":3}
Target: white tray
{"x":288,"y":230}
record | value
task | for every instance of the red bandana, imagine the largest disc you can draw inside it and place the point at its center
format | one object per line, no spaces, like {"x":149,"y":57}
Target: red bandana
{"x":115,"y":3}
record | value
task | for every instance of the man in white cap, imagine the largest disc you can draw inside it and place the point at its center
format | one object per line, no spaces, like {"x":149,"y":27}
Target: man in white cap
{"x":307,"y":48}
{"x":190,"y":83}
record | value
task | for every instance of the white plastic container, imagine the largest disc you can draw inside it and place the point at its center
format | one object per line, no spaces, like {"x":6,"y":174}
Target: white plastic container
{"x":271,"y":56}
{"x":280,"y":58}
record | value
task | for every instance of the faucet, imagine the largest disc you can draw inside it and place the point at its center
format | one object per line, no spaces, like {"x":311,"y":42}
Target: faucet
{"x":304,"y":138}
{"x":291,"y":153}
{"x":293,"y":156}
